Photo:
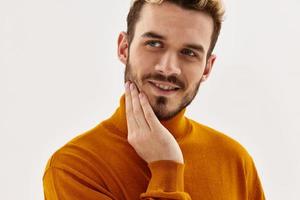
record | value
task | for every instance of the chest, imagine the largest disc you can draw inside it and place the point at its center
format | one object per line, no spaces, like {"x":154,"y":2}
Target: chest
{"x":206,"y":177}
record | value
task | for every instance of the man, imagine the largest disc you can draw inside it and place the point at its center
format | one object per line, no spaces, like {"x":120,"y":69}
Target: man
{"x":148,"y":149}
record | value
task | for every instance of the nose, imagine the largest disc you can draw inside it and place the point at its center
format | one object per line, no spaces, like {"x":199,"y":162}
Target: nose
{"x":168,"y":65}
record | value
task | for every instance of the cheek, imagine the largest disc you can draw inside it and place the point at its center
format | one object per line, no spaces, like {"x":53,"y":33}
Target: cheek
{"x":142,"y":62}
{"x":192,"y":76}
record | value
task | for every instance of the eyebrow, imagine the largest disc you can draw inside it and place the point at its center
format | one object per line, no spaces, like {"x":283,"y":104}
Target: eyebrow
{"x":196,"y":47}
{"x":153,"y":35}
{"x":150,"y":34}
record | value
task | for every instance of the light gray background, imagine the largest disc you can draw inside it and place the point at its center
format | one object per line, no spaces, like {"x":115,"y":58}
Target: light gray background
{"x":60,"y":76}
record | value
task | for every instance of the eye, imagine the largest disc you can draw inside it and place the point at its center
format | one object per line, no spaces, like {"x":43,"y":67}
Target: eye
{"x":189,"y":52}
{"x":154,"y":43}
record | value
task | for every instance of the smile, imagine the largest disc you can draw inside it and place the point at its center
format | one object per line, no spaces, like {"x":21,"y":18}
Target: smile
{"x":162,"y":88}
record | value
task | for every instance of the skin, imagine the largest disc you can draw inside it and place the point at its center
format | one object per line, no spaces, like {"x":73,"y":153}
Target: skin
{"x":168,"y":49}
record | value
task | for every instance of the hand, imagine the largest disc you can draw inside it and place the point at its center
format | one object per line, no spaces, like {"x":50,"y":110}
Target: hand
{"x":150,"y":139}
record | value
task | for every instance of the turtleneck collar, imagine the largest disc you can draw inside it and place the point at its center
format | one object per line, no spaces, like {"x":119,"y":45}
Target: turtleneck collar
{"x":178,"y":125}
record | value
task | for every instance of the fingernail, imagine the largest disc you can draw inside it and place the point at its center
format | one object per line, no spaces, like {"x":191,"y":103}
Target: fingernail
{"x":127,"y":85}
{"x":141,"y":95}
{"x":132,"y":86}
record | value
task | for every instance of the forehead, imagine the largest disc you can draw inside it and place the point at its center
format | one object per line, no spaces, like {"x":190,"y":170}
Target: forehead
{"x":175,"y":23}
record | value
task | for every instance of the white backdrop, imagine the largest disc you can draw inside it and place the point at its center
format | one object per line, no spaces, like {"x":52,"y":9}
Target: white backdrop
{"x":60,"y":76}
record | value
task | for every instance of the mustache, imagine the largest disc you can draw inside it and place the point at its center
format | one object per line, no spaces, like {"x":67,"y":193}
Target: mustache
{"x":159,"y":77}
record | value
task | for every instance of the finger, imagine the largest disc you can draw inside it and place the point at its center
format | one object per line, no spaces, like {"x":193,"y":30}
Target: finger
{"x":137,"y":108}
{"x":149,"y":114}
{"x":131,"y":123}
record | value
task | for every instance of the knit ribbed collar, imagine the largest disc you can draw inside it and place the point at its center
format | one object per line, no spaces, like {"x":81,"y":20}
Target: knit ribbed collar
{"x":179,"y":125}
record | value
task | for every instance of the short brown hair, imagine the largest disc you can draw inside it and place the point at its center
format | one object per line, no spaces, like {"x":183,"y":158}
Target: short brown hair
{"x":214,"y":8}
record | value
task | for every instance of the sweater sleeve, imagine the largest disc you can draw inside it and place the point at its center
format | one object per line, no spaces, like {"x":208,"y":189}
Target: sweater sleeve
{"x":60,"y":184}
{"x":167,"y":181}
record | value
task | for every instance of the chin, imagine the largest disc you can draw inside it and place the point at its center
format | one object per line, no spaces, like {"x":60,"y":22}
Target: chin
{"x":162,"y":107}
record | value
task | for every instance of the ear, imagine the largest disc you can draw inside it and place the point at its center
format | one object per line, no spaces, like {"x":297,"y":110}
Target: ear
{"x":209,"y":65}
{"x":123,"y":47}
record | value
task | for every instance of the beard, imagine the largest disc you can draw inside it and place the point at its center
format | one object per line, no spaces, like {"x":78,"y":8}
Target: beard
{"x":159,"y":103}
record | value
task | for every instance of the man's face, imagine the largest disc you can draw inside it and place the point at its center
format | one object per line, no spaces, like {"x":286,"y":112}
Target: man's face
{"x":167,"y":58}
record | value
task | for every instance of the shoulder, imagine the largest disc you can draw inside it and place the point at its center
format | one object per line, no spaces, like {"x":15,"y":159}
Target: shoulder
{"x":76,"y":167}
{"x":223,"y":153}
{"x":220,"y":142}
{"x":82,"y":153}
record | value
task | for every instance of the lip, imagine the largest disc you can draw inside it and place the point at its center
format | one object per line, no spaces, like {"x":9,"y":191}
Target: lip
{"x":164,"y":83}
{"x":160,"y":91}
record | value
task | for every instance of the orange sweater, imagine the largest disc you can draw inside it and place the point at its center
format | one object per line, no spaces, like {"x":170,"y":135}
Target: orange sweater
{"x":101,"y":165}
